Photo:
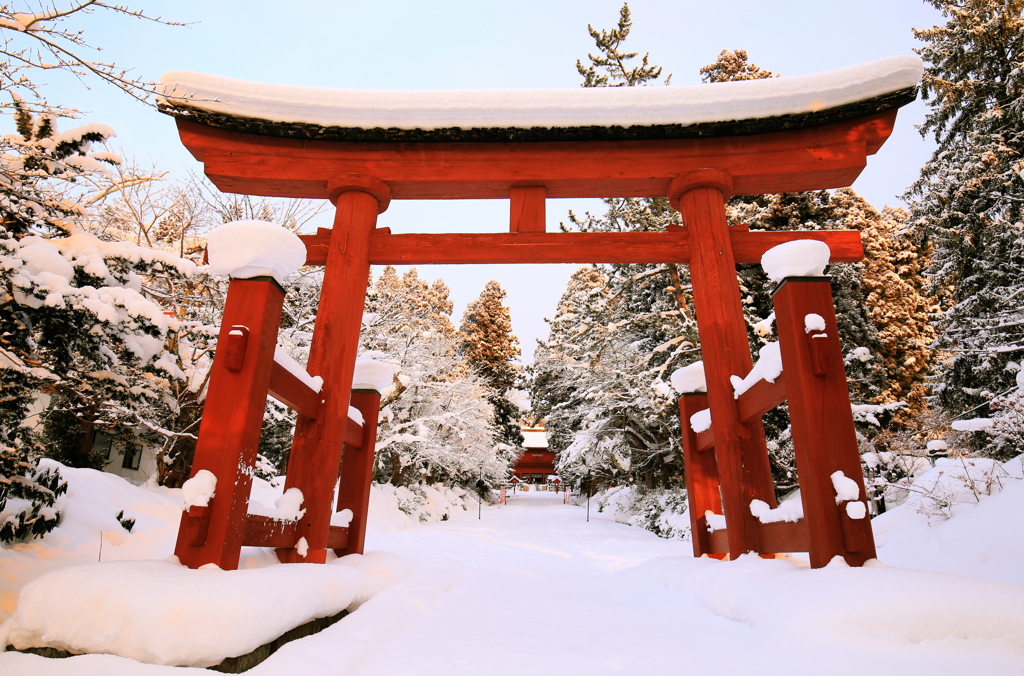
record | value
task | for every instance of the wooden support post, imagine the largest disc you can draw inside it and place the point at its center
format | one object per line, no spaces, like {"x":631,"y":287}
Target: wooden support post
{"x":701,"y":475}
{"x":316,"y":451}
{"x":229,"y":434}
{"x":527,"y":209}
{"x":357,"y":472}
{"x":824,"y":439}
{"x":740,"y":449}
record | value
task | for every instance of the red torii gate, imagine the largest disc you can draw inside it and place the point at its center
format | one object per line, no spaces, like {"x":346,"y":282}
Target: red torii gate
{"x":698,"y":166}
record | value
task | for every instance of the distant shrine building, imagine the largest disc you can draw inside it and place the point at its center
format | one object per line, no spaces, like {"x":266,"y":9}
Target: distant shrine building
{"x":537,"y":462}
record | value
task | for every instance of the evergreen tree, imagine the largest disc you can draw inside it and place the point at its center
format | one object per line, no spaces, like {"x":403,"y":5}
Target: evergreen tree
{"x":491,"y":350}
{"x":620,"y":331}
{"x":969,"y":202}
{"x":609,"y":67}
{"x":437,"y":423}
{"x":732,"y":66}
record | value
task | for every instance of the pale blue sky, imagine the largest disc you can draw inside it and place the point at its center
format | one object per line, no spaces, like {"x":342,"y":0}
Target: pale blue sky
{"x":460,"y":44}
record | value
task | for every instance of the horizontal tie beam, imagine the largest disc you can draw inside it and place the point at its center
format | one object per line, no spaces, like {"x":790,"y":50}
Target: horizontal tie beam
{"x":672,"y":246}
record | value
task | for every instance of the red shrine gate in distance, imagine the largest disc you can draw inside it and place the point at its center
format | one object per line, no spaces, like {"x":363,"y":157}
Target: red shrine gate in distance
{"x":698,"y":167}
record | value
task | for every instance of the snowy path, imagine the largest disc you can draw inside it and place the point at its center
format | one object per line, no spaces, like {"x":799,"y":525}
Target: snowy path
{"x":532,"y":587}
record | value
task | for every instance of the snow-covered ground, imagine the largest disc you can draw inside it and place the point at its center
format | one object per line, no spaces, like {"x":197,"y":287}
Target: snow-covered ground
{"x":532,"y":586}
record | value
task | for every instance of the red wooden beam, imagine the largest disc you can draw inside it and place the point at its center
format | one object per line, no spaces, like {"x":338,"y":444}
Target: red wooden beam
{"x":293,"y":393}
{"x":232,"y":418}
{"x":316,"y":452}
{"x":705,"y":440}
{"x":527,"y":209}
{"x":357,"y":473}
{"x":740,"y":449}
{"x":354,"y":434}
{"x":265,"y":531}
{"x":337,"y":537}
{"x":782,"y":536}
{"x":824,"y":439}
{"x":573,"y":247}
{"x":702,"y":478}
{"x":815,"y":158}
{"x":762,"y":397}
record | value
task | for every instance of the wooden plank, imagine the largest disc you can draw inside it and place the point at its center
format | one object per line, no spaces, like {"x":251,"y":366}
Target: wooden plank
{"x":826,"y":156}
{"x":229,"y":433}
{"x":357,"y":473}
{"x":762,"y":397}
{"x":265,"y":531}
{"x":718,"y":541}
{"x":702,"y":479}
{"x":824,"y":439}
{"x":785,"y":536}
{"x":527,"y":209}
{"x":750,"y":245}
{"x":337,"y":537}
{"x":706,"y":440}
{"x":572,"y":247}
{"x":353,"y":434}
{"x":293,"y":393}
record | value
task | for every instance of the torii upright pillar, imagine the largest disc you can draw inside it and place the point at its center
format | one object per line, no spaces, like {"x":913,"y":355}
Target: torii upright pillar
{"x":316,"y":451}
{"x":740,"y":448}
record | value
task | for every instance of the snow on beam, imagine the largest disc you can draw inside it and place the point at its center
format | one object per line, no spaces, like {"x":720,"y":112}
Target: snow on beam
{"x":525,"y":114}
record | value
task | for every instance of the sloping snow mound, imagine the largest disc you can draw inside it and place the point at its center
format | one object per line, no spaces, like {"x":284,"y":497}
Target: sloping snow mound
{"x":962,"y":517}
{"x":161,"y":612}
{"x":89,"y":530}
{"x":875,"y":602}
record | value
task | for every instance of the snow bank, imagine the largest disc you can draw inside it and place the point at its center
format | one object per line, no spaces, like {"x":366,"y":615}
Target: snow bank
{"x":89,"y":530}
{"x":798,"y":258}
{"x":865,"y":605}
{"x":186,"y":617}
{"x":963,"y":517}
{"x":246,"y":249}
{"x":546,"y":108}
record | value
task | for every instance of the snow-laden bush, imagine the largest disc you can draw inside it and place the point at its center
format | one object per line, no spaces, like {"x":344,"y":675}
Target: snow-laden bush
{"x":27,"y":496}
{"x":429,"y":503}
{"x":662,"y":511}
{"x":953,"y":482}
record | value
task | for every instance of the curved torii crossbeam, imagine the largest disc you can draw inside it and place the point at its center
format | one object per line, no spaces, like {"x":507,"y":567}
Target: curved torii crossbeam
{"x":696,"y":145}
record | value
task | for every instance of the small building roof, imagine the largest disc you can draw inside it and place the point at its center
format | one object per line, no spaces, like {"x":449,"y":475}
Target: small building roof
{"x":599,"y":113}
{"x":535,"y":439}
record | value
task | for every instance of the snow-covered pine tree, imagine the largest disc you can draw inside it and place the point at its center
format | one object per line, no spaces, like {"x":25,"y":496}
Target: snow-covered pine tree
{"x":609,"y":68}
{"x":491,"y":350}
{"x":969,"y":202}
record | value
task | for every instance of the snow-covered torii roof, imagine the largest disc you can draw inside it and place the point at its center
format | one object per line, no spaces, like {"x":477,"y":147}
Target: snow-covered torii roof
{"x":602,"y":113}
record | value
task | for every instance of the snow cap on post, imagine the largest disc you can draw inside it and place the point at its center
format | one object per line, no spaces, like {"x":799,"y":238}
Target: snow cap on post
{"x":372,"y":375}
{"x":247,"y":249}
{"x":799,"y":258}
{"x":690,"y":379}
